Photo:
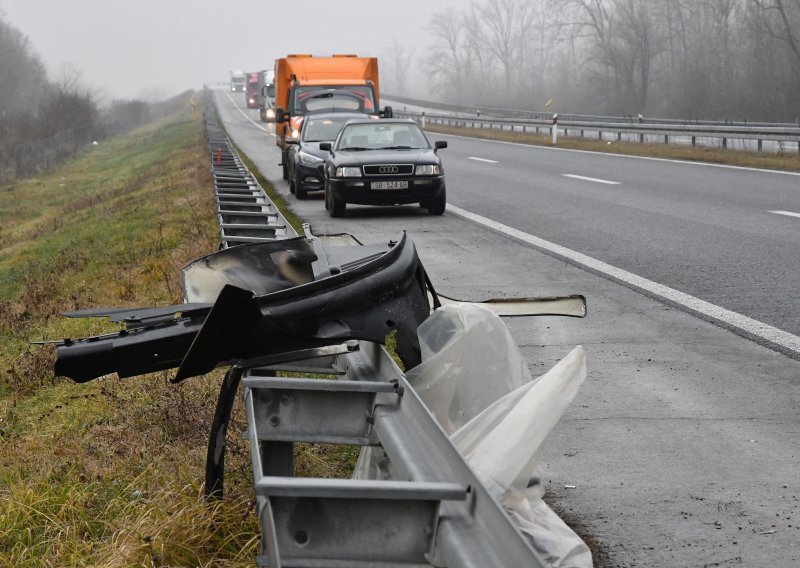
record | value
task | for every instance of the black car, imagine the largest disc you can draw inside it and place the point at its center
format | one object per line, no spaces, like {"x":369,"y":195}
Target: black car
{"x":305,"y":159}
{"x":383,"y":162}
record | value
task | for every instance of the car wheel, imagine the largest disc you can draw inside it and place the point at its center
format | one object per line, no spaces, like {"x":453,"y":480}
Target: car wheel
{"x":299,"y":191}
{"x":285,"y":164}
{"x":292,"y":186}
{"x":334,"y":205}
{"x":437,"y":205}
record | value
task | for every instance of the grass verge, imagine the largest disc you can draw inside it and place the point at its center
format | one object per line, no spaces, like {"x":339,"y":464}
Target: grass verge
{"x":785,"y":161}
{"x":109,"y":472}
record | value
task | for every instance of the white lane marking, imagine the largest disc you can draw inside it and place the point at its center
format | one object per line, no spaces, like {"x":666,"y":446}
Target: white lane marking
{"x":727,"y":318}
{"x":594,"y":152}
{"x":787,"y":213}
{"x":481,"y":160}
{"x":244,"y":114}
{"x":596,"y":180}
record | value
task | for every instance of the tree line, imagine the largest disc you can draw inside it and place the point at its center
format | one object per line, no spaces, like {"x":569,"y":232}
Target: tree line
{"x":705,"y":59}
{"x":44,"y":120}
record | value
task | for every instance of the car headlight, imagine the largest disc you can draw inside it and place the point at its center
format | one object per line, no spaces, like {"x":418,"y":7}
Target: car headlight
{"x":306,"y":158}
{"x":294,"y":133}
{"x":346,"y":172}
{"x":270,"y":113}
{"x":430,"y":170}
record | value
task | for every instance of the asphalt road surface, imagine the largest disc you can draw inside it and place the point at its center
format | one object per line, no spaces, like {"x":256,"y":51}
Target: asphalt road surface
{"x":681,"y":448}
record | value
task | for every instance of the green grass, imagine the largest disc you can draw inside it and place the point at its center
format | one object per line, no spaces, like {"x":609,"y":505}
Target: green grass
{"x":110,"y":472}
{"x":786,"y":161}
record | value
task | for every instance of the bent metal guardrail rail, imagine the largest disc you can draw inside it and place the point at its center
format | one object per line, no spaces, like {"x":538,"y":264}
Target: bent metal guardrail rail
{"x":433,"y":511}
{"x":662,"y":130}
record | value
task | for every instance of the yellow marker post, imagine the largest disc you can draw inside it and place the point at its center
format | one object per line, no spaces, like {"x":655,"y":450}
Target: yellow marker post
{"x":193,"y":104}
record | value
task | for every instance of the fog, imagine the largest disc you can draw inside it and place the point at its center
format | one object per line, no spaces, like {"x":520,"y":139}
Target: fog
{"x":153,"y":49}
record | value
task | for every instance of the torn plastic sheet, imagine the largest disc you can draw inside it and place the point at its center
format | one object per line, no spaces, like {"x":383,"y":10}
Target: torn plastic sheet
{"x":475,"y":381}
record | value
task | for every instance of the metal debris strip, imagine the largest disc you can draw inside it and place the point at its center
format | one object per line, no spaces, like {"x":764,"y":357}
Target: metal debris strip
{"x":245,"y":213}
{"x":432,"y":511}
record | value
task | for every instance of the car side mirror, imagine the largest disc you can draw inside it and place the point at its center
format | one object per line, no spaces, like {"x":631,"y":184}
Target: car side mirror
{"x":325,"y":146}
{"x":439,"y":144}
{"x":387,"y":112}
{"x":280,"y":115}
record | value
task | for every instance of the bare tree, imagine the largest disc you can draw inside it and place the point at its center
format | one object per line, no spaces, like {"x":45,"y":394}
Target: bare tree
{"x":781,"y":21}
{"x":450,"y":58}
{"x":506,"y":35}
{"x":396,"y":65}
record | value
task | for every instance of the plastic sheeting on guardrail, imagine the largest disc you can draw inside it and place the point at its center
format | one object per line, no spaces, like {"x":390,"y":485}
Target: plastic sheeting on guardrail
{"x":475,"y":381}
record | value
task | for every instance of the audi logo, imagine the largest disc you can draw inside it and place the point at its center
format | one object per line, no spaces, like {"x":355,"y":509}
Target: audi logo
{"x":388,"y":169}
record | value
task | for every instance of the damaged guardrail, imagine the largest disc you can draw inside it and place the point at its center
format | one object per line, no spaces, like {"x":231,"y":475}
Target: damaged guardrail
{"x":325,"y":304}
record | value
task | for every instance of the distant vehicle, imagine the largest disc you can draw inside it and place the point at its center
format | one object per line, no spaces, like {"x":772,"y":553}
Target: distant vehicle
{"x":305,"y":158}
{"x":251,"y":90}
{"x":266,"y":95}
{"x":238,"y":80}
{"x":383,"y":162}
{"x":304,"y":83}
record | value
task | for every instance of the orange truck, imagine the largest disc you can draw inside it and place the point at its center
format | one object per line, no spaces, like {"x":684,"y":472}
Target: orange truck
{"x":305,"y":83}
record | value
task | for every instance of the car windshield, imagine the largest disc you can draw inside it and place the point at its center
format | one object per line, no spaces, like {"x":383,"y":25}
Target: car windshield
{"x":381,"y":135}
{"x":346,"y":98}
{"x":323,"y":129}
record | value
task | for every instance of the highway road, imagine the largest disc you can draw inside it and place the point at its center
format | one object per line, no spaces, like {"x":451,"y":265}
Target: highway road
{"x":729,"y":236}
{"x":682,"y":446}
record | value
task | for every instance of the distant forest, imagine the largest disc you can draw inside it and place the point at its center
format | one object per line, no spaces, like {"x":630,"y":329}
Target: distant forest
{"x":708,"y":59}
{"x":44,"y":120}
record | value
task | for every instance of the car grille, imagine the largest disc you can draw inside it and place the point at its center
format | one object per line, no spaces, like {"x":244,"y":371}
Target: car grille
{"x":389,"y":170}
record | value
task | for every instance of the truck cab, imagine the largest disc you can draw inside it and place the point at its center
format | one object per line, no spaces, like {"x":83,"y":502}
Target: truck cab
{"x":304,"y":84}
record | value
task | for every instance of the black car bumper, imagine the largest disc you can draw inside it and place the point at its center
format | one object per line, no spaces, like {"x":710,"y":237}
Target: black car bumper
{"x":360,"y":190}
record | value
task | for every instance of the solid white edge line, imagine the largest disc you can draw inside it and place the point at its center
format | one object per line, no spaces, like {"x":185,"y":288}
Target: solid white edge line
{"x":749,"y":326}
{"x":596,"y":180}
{"x":481,"y":160}
{"x":244,"y":114}
{"x":687,"y":162}
{"x":787,"y":213}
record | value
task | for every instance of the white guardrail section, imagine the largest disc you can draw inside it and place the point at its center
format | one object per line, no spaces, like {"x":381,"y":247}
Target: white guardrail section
{"x":738,"y":135}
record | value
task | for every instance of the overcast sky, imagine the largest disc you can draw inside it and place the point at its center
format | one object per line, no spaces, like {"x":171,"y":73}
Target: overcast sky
{"x":159,"y":48}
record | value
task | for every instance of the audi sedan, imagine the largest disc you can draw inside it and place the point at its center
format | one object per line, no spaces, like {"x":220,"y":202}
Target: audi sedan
{"x":383,"y":162}
{"x":305,"y":158}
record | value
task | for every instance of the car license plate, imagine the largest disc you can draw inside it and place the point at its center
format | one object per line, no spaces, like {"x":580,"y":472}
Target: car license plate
{"x":389,"y":185}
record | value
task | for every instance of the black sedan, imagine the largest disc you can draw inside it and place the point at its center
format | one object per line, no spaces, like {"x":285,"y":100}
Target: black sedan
{"x":383,"y":162}
{"x":305,"y":158}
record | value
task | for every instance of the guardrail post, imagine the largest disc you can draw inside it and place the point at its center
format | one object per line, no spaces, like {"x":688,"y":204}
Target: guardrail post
{"x":760,"y":144}
{"x":423,"y":119}
{"x":555,"y":129}
{"x":725,"y":143}
{"x":666,"y":138}
{"x":694,"y":141}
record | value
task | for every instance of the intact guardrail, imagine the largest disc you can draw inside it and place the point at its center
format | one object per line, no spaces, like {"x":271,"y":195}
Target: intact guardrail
{"x":750,"y":136}
{"x":244,"y":211}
